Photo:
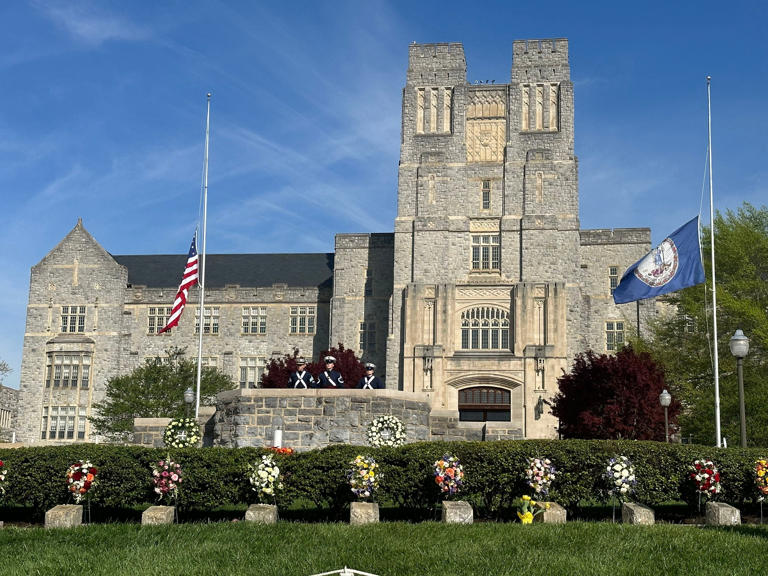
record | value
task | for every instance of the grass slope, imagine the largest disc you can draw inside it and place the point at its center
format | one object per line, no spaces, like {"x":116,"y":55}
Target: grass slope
{"x":386,"y":549}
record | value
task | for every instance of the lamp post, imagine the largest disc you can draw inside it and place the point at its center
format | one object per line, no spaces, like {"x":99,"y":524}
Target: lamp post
{"x":189,"y":398}
{"x":665,"y":399}
{"x":739,"y":345}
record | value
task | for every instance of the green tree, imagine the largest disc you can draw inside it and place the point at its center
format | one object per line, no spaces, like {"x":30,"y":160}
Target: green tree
{"x":682,"y":338}
{"x":4,"y":370}
{"x":154,"y":390}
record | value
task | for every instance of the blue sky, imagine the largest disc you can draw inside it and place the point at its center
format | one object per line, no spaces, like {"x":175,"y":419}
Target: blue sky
{"x":102,"y":109}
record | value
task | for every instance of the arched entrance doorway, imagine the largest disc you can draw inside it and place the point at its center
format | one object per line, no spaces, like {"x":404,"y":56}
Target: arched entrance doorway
{"x":484,"y":404}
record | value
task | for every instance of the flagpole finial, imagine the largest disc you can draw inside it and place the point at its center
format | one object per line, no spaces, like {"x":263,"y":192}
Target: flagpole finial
{"x":708,"y":79}
{"x":209,"y":94}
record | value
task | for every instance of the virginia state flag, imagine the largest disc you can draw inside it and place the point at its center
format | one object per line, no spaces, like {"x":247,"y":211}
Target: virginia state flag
{"x":673,"y":265}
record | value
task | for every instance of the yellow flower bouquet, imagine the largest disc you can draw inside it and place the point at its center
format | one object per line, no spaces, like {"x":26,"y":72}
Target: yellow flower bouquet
{"x":528,"y":509}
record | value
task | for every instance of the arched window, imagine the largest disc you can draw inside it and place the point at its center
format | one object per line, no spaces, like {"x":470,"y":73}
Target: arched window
{"x":484,"y":404}
{"x":485,"y":328}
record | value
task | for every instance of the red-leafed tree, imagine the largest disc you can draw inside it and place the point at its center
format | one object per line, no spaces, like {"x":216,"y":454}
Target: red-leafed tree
{"x":609,"y":397}
{"x":278,"y":370}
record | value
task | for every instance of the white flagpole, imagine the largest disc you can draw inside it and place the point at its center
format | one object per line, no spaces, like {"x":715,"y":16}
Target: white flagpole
{"x":202,"y":270}
{"x":718,"y":437}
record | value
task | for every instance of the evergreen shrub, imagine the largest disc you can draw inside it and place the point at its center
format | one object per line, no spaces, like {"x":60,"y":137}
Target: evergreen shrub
{"x":215,"y":477}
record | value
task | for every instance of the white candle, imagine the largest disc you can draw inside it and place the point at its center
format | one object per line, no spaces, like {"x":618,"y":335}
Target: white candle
{"x":277,"y":439}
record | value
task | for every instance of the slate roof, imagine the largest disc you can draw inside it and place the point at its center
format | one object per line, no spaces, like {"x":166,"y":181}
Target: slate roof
{"x":164,"y":270}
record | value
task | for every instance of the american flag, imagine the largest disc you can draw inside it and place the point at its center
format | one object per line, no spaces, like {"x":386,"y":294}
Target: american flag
{"x":188,"y":281}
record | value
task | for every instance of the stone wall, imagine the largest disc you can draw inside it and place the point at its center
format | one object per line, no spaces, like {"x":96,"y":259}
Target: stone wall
{"x":8,"y":400}
{"x":317,"y":418}
{"x":149,"y":431}
{"x":313,"y":418}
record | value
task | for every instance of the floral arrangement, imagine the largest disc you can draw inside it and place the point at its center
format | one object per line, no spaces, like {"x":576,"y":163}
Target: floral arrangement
{"x":528,"y":509}
{"x":761,"y":478}
{"x":620,"y":476}
{"x":449,"y":474}
{"x":386,"y":431}
{"x":81,"y":477}
{"x":265,"y":478}
{"x":182,"y":433}
{"x":363,"y":476}
{"x":3,"y":473}
{"x":284,"y":450}
{"x":540,"y":475}
{"x":166,"y":477}
{"x":707,"y":478}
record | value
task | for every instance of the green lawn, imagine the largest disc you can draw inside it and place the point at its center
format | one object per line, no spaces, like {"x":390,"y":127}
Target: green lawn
{"x":386,"y":549}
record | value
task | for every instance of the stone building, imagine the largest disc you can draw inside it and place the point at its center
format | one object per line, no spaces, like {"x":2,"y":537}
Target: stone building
{"x":9,"y":397}
{"x":485,"y":291}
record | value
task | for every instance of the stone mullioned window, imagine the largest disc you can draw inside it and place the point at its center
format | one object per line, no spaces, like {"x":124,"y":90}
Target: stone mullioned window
{"x":485,"y":328}
{"x":302,"y":320}
{"x":368,"y":337}
{"x":157,"y":318}
{"x":73,"y":319}
{"x":254,"y":320}
{"x":614,"y":336}
{"x":486,"y":252}
{"x":58,"y":423}
{"x":210,"y":320}
{"x":68,"y":370}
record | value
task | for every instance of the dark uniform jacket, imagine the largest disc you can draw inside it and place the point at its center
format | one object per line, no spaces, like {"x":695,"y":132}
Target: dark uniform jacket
{"x":373,"y":383}
{"x":301,"y":380}
{"x":330,"y":379}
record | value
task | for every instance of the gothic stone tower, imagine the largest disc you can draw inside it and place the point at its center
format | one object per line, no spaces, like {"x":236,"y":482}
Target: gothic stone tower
{"x":487,"y":235}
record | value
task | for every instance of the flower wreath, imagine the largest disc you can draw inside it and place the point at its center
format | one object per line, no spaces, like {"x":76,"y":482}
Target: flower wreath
{"x":620,"y":476}
{"x":705,"y":476}
{"x":364,"y":476}
{"x":449,"y":474}
{"x":181,"y":433}
{"x":166,"y":479}
{"x":386,"y":431}
{"x":761,"y":478}
{"x":81,"y":477}
{"x":265,"y":478}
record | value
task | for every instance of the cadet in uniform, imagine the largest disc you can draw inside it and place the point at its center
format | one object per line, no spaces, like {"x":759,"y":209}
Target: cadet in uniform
{"x":330,"y":378}
{"x":301,"y":378}
{"x":370,"y":381}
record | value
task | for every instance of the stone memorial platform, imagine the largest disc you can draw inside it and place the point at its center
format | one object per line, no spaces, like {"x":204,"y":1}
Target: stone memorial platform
{"x":64,"y":516}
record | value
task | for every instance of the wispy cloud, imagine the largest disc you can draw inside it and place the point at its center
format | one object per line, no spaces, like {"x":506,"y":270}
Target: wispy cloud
{"x":90,"y":23}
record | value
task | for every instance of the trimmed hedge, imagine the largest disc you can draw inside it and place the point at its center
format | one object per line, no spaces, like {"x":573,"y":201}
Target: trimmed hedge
{"x":215,"y":477}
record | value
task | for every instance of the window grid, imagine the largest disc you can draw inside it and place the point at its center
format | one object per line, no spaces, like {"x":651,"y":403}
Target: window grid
{"x":73,"y":319}
{"x":302,"y":320}
{"x":68,"y":371}
{"x":486,"y":252}
{"x":251,"y":369}
{"x":254,"y":320}
{"x":210,"y":320}
{"x":368,"y":337}
{"x":157,"y":318}
{"x":613,"y":277}
{"x":486,"y":194}
{"x":614,"y":336}
{"x":59,"y":422}
{"x":485,"y":328}
{"x":368,"y":291}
